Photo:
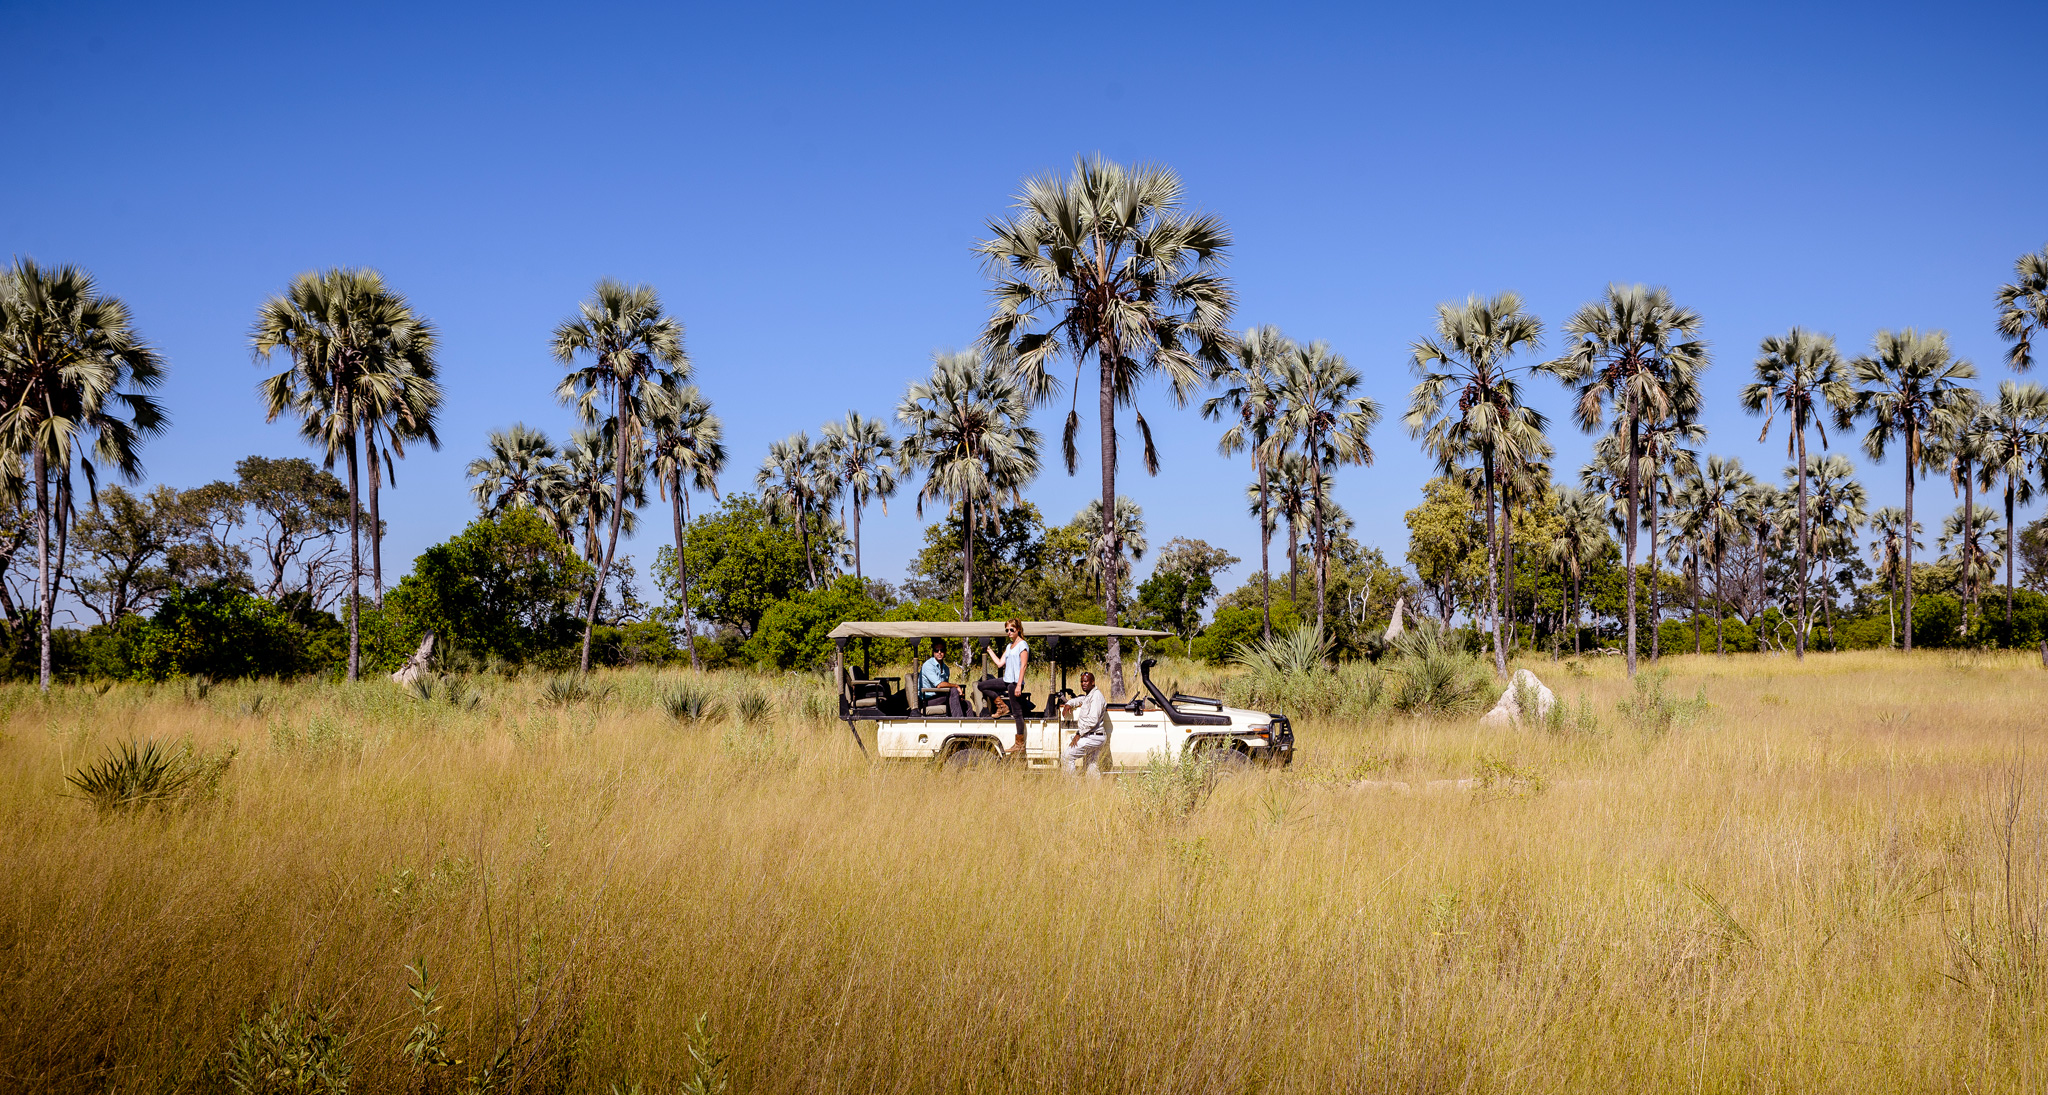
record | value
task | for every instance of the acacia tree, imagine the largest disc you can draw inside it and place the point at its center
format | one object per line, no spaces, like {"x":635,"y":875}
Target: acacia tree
{"x":1320,"y":406}
{"x":967,"y":434}
{"x":689,"y":453}
{"x":1249,"y":398}
{"x":633,"y":345}
{"x":1468,"y":356}
{"x":2023,"y":310}
{"x":356,"y":348}
{"x":1798,"y":372}
{"x":1638,"y":354}
{"x":75,"y":377}
{"x":2011,"y":434}
{"x":1104,"y":266}
{"x":1910,"y":385}
{"x":862,"y":456}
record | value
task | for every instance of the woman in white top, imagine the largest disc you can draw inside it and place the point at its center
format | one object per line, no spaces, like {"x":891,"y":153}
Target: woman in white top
{"x":1016,"y":658}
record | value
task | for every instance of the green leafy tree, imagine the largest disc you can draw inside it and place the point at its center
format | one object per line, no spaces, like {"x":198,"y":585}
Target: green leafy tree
{"x":298,"y":510}
{"x":793,"y":633}
{"x":631,"y":346}
{"x":1445,"y":545}
{"x":1009,"y":556}
{"x":129,"y":547}
{"x":75,"y":378}
{"x":357,"y":349}
{"x":1909,"y":385}
{"x":1104,"y":265}
{"x":1637,"y":353}
{"x":505,"y":587}
{"x":1182,"y":583}
{"x":742,"y":560}
{"x":225,"y":633}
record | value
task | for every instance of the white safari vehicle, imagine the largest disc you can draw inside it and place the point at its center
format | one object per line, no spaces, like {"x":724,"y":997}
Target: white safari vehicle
{"x":910,"y":725}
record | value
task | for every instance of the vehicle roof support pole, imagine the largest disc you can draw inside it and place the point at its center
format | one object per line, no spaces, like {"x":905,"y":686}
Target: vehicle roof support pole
{"x":845,"y":694}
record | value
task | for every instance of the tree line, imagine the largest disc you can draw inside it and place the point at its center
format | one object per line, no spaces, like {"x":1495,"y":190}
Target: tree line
{"x":1104,"y":270}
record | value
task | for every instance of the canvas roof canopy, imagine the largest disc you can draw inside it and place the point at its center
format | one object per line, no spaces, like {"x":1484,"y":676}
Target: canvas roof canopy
{"x":982,"y":629}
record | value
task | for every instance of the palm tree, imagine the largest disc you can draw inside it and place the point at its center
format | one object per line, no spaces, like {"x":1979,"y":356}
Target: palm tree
{"x":1249,"y":398}
{"x":1639,"y":352}
{"x":1797,"y":373}
{"x":967,"y":433}
{"x":1319,"y":405}
{"x":1130,"y":534}
{"x":359,"y":352}
{"x":1468,"y":356}
{"x":632,"y":345}
{"x":1967,"y":529}
{"x":1581,"y":539}
{"x":2023,"y":313}
{"x":863,"y":459}
{"x":1295,"y":490}
{"x":1911,"y":385}
{"x":72,"y":369}
{"x":796,"y":481}
{"x":519,"y":471}
{"x":588,"y":486}
{"x":689,"y":452}
{"x":1957,"y":448}
{"x":1660,"y":453}
{"x":1838,"y":512}
{"x":1104,"y":264}
{"x":1728,"y":493}
{"x":390,"y":419}
{"x":2012,"y":433}
{"x":1885,"y":551}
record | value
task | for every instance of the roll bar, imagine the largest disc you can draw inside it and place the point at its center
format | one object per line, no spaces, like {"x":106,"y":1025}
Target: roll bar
{"x":1173,"y":713}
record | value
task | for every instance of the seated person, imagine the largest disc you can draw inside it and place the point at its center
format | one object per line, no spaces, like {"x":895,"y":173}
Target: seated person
{"x":934,"y":681}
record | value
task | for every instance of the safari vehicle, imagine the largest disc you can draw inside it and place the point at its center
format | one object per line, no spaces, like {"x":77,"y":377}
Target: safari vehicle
{"x":910,"y":726}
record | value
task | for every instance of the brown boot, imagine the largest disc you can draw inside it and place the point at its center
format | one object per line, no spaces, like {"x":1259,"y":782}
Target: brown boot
{"x":1016,"y":750}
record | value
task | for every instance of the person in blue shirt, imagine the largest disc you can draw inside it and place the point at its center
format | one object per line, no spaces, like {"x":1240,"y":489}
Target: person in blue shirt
{"x":934,"y":679}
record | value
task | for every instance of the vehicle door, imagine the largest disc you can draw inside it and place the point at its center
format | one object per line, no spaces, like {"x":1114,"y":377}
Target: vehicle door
{"x":1135,"y":739}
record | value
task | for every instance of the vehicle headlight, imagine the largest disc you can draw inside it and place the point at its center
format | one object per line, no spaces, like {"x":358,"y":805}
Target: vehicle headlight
{"x":1260,"y":728}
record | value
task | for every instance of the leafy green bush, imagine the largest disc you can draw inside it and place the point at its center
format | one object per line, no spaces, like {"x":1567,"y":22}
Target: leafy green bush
{"x":1439,"y":676}
{"x":283,"y":1052}
{"x":225,"y":633}
{"x":792,"y":634}
{"x":505,"y":587}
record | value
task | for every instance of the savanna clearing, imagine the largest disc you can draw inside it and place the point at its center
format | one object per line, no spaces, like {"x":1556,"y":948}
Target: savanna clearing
{"x":1830,"y":876}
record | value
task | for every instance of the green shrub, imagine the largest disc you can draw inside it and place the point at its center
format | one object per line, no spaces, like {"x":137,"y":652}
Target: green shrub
{"x":1439,"y":676}
{"x":136,"y":774}
{"x":283,"y":1052}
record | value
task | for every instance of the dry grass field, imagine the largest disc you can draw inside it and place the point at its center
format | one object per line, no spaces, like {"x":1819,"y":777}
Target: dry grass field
{"x":1830,"y":877}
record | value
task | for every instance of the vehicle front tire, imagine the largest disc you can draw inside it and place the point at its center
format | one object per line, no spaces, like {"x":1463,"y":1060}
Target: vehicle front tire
{"x":1228,"y":758}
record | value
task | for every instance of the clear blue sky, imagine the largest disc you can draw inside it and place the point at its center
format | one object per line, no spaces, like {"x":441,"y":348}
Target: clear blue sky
{"x":804,"y":186}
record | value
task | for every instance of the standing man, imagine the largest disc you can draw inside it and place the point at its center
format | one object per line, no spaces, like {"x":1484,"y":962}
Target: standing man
{"x":1090,"y":713}
{"x":934,"y":679}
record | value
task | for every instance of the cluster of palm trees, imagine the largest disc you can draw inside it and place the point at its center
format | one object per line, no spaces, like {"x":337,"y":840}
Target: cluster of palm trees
{"x":1635,"y":360}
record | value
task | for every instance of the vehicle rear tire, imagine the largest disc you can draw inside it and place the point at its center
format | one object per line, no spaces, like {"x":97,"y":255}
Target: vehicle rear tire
{"x":971,"y":757}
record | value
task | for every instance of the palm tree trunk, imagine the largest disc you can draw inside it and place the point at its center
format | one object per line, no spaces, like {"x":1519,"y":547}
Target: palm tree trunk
{"x":355,"y":563}
{"x":1266,"y":549}
{"x":679,"y":509}
{"x":855,"y":502}
{"x":1630,"y":546}
{"x":1656,"y":616}
{"x":1293,"y":567}
{"x":1969,"y":547}
{"x":967,"y":562}
{"x":1500,"y":658}
{"x":1577,"y":607}
{"x":618,"y":513}
{"x":2009,"y":547}
{"x":1112,"y":546}
{"x":45,"y":587}
{"x":1698,"y":640}
{"x":376,"y":526}
{"x":1321,"y":547}
{"x":1805,"y":564}
{"x":1912,"y":458}
{"x":1720,"y":608}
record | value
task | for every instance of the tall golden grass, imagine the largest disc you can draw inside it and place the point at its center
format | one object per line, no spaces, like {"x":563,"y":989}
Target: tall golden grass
{"x":1832,"y":878}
